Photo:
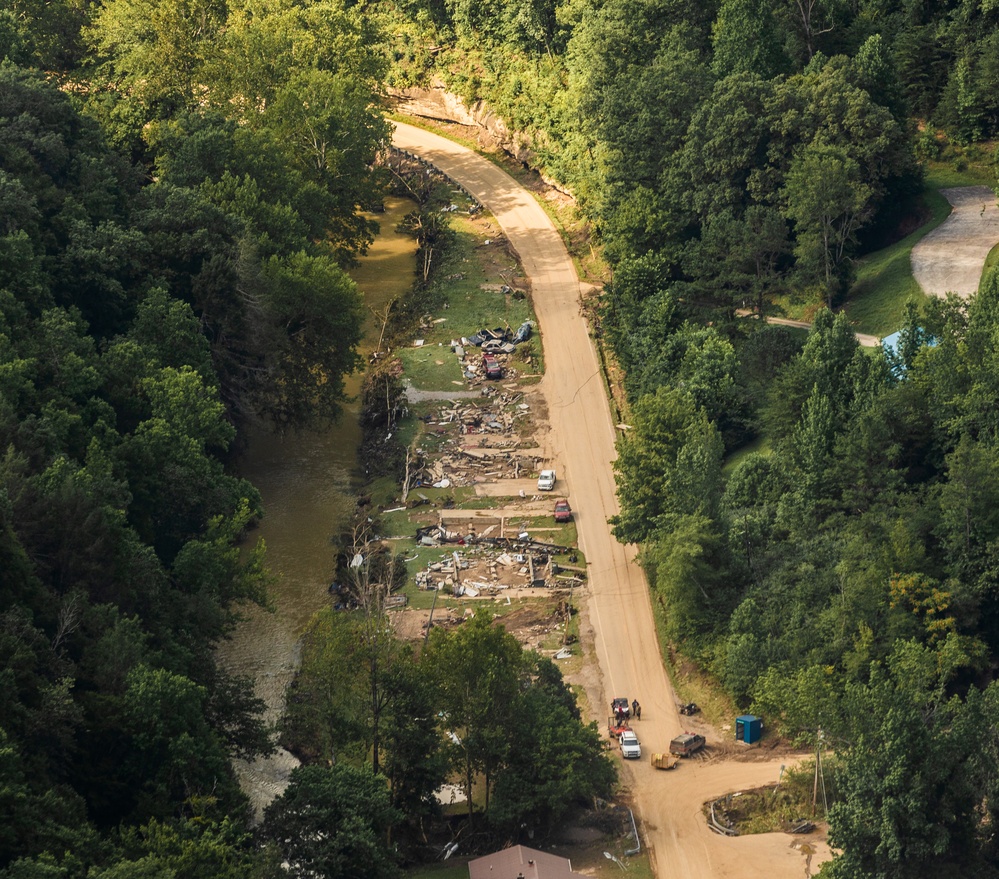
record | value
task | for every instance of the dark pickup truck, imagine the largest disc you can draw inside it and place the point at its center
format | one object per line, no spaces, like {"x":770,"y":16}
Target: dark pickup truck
{"x":686,"y":744}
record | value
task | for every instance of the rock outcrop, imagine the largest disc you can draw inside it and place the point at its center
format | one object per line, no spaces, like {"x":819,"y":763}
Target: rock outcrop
{"x":439,"y":104}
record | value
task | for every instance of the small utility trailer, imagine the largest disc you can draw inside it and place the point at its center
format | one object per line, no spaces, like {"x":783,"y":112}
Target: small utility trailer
{"x":665,"y":761}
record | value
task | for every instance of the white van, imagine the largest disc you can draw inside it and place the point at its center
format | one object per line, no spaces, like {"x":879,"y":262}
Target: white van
{"x":546,"y":481}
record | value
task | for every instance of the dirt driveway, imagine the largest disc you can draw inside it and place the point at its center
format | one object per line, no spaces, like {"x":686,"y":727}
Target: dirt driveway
{"x":581,"y":441}
{"x":950,"y":259}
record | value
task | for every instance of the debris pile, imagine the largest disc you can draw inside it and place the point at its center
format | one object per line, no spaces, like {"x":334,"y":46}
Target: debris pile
{"x":486,"y":569}
{"x":500,"y":342}
{"x":496,"y":455}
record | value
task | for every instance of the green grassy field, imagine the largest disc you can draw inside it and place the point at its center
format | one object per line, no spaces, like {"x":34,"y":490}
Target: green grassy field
{"x":469,"y":281}
{"x":884,"y":279}
{"x":941,"y":175}
{"x":760,"y":444}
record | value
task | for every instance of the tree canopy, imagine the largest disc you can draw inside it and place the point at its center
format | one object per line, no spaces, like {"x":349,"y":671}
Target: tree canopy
{"x":172,"y":265}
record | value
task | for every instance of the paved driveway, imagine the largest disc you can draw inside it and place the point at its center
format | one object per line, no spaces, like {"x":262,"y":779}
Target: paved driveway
{"x":950,"y":259}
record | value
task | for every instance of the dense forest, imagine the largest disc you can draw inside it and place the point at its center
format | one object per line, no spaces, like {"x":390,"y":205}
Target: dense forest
{"x":171,"y":266}
{"x":180,"y":194}
{"x":182,"y":191}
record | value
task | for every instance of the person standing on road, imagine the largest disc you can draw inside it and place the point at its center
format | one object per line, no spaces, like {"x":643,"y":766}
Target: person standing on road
{"x":636,"y":709}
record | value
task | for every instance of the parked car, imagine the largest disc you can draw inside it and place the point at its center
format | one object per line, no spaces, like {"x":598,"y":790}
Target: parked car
{"x":498,"y":346}
{"x":631,"y":748}
{"x":491,"y":365}
{"x":563,"y":512}
{"x":621,"y":707}
{"x":546,"y":481}
{"x":686,"y":744}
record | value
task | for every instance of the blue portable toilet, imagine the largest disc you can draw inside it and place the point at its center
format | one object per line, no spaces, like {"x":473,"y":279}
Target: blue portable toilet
{"x":748,"y":728}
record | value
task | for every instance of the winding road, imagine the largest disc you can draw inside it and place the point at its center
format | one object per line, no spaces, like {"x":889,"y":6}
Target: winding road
{"x":668,"y":804}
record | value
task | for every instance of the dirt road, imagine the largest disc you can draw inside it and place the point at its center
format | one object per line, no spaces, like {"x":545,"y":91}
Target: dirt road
{"x":582,"y":445}
{"x":951,"y":258}
{"x":865,"y":340}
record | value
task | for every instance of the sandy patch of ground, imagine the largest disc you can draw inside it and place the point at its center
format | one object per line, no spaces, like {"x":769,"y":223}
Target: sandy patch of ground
{"x":538,"y":624}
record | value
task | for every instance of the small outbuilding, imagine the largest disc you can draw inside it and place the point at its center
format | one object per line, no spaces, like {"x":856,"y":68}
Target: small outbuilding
{"x":521,"y":862}
{"x":748,"y":728}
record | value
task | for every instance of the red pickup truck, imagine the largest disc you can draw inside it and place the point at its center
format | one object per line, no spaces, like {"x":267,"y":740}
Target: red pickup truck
{"x":491,"y":366}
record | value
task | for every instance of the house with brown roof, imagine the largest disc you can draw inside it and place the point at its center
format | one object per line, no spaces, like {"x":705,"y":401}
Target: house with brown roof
{"x":520,"y":862}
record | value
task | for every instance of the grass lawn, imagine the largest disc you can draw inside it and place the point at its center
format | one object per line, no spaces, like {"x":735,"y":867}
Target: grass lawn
{"x":942,"y":175}
{"x":884,"y":279}
{"x":760,"y":444}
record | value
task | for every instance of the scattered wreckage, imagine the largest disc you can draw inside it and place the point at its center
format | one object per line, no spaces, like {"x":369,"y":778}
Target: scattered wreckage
{"x":493,"y":344}
{"x":487,"y":566}
{"x":500,"y":336}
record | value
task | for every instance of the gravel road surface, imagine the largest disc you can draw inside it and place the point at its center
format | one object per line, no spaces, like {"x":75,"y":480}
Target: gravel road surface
{"x":668,"y":804}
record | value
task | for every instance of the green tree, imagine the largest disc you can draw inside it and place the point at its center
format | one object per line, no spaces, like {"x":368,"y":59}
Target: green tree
{"x":34,"y":820}
{"x":969,"y":515}
{"x":415,"y":760}
{"x":668,"y":466}
{"x":686,"y":565}
{"x":479,"y":667}
{"x":328,"y":713}
{"x":333,"y":822}
{"x":831,"y":355}
{"x":828,"y":202}
{"x":194,"y":847}
{"x":812,"y":21}
{"x":747,"y":39}
{"x":555,"y":761}
{"x":725,"y":150}
{"x":739,"y":261}
{"x":908,"y":802}
{"x":260,"y":53}
{"x":317,"y":308}
{"x":172,"y":753}
{"x":155,"y":53}
{"x":332,"y":133}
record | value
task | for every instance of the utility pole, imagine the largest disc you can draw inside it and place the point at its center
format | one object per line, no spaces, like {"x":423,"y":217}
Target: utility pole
{"x":818,"y":770}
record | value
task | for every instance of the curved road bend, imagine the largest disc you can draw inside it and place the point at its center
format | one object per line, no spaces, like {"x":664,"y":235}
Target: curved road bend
{"x":950,"y":259}
{"x":582,"y":440}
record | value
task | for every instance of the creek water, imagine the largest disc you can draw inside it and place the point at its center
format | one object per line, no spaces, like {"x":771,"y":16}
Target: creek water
{"x":306,"y":481}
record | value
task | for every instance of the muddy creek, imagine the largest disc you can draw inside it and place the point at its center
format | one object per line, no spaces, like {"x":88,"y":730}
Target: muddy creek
{"x":306,"y":483}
